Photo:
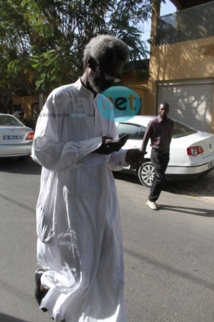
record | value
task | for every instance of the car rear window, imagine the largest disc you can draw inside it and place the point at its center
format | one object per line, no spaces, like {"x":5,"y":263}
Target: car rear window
{"x":181,"y":130}
{"x":6,"y":120}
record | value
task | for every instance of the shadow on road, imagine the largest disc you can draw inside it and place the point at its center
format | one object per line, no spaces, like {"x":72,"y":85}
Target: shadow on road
{"x":11,"y":165}
{"x":201,"y":187}
{"x":9,"y":318}
{"x":126,"y":177}
{"x":189,"y":211}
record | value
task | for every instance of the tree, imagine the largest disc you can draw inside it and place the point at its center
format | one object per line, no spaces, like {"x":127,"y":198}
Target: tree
{"x":41,"y":41}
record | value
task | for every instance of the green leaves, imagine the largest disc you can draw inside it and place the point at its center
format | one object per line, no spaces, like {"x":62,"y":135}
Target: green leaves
{"x":42,"y":41}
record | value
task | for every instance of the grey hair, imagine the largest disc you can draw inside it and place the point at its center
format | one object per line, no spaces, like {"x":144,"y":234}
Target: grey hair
{"x":105,"y":47}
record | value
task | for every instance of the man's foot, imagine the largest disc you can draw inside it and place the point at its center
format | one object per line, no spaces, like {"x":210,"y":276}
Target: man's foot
{"x":40,"y":292}
{"x":152,"y":205}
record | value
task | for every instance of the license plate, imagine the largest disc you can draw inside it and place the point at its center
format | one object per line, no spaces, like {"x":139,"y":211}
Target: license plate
{"x":12,"y":137}
{"x":211,"y":164}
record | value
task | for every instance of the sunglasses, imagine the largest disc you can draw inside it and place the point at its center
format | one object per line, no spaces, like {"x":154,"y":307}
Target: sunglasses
{"x":109,"y":76}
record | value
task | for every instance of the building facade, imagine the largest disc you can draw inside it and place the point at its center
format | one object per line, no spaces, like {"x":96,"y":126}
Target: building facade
{"x":182,"y":63}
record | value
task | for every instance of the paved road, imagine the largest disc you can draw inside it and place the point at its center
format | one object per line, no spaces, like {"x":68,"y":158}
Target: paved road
{"x":168,"y":254}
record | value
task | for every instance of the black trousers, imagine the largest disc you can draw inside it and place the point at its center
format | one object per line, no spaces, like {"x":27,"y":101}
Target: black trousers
{"x":160,"y":161}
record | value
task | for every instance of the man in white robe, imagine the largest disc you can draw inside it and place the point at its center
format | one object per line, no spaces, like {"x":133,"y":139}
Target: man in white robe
{"x":79,"y":244}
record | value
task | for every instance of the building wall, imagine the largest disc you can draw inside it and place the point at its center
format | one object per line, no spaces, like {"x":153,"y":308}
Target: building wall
{"x":189,"y":60}
{"x":26,"y":103}
{"x":139,"y":86}
{"x":183,"y":60}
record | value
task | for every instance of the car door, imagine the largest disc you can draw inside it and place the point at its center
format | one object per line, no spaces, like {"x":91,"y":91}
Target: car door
{"x":135,"y":132}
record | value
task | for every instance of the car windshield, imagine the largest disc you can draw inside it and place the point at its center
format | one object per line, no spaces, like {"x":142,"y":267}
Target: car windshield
{"x":181,"y":130}
{"x":7,"y":120}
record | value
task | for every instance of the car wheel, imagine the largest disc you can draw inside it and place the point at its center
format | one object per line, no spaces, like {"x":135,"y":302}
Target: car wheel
{"x":24,"y":158}
{"x":146,"y":174}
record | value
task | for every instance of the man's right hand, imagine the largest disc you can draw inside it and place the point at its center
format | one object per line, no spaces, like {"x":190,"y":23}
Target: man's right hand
{"x":109,"y":146}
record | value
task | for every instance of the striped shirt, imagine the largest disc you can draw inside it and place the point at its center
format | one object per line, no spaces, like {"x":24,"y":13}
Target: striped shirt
{"x":159,"y":132}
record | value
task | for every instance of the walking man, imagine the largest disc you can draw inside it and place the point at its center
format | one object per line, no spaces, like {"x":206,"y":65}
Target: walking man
{"x":159,"y":131}
{"x":79,"y":247}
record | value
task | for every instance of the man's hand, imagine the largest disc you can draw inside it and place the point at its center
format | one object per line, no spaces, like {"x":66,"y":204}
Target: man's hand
{"x":109,"y":145}
{"x":135,"y":157}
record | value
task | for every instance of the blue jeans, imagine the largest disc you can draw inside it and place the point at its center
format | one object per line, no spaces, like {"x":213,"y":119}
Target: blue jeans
{"x":160,"y":161}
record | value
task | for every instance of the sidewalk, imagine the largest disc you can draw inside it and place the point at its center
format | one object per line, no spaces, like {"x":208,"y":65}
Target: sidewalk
{"x":201,"y":188}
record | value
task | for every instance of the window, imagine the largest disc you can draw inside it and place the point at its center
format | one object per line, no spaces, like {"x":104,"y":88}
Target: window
{"x":181,"y":130}
{"x":7,"y":120}
{"x":142,"y":132}
{"x":135,"y":132}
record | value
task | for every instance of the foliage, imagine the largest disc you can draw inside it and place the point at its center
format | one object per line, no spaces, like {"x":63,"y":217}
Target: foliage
{"x":41,"y":41}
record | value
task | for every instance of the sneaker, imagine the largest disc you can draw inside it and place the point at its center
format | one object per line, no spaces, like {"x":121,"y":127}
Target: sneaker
{"x":39,"y":294}
{"x":152,"y":205}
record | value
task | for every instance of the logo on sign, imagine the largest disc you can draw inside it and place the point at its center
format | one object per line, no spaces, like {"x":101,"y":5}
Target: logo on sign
{"x":126,"y":103}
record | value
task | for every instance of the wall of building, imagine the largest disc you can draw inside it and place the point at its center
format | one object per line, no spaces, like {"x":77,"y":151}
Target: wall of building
{"x":190,"y":60}
{"x":139,"y":85}
{"x":181,"y":61}
{"x":26,"y":103}
{"x":186,"y":60}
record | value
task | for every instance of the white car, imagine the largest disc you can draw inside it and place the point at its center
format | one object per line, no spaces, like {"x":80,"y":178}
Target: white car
{"x":191,"y":151}
{"x":15,"y":138}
